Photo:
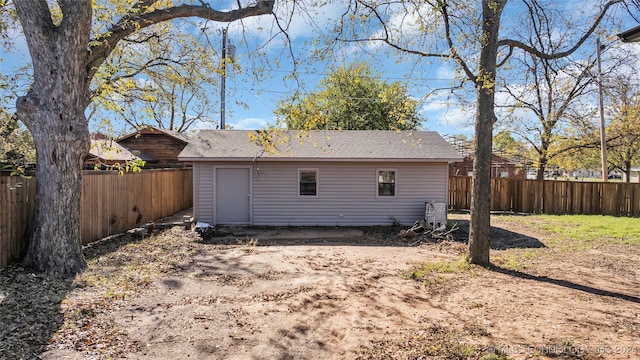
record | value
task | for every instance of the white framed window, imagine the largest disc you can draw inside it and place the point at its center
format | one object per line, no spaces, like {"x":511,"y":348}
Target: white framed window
{"x":307,"y":182}
{"x":386,"y":179}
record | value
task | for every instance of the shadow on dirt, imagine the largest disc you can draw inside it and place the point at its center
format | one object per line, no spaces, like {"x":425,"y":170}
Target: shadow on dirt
{"x":501,"y":239}
{"x":566,"y":284}
{"x":110,"y":244}
{"x":304,"y":235}
{"x":29,"y":311}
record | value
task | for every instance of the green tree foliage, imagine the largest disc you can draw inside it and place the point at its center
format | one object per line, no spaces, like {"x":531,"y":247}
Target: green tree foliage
{"x":623,"y":133}
{"x":16,"y":143}
{"x":158,"y":76}
{"x":581,"y":158}
{"x":579,"y":148}
{"x":352,"y":98}
{"x":7,"y":19}
{"x":508,"y":147}
{"x":504,"y":142}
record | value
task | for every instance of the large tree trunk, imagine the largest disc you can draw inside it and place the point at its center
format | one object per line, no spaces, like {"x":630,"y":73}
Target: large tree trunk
{"x":542,"y":165}
{"x":479,"y":239}
{"x":55,"y":245}
{"x":627,"y":171}
{"x":53,"y":110}
{"x":64,"y":61}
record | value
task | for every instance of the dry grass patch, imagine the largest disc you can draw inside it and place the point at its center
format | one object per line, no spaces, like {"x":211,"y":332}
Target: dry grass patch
{"x":441,"y":276}
{"x":430,"y":342}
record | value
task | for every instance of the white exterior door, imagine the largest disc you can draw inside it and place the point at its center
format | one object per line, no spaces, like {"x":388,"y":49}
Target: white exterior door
{"x":233,"y":195}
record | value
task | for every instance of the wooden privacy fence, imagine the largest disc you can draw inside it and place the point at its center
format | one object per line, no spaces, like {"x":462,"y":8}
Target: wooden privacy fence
{"x":16,"y":208}
{"x":552,"y":196}
{"x":110,"y":204}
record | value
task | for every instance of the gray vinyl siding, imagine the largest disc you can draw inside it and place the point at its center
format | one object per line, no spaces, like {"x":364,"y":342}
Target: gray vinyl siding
{"x":203,"y":191}
{"x":346,"y":193}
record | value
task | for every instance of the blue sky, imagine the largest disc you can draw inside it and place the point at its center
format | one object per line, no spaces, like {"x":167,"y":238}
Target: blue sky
{"x":440,"y":113}
{"x":263,"y":96}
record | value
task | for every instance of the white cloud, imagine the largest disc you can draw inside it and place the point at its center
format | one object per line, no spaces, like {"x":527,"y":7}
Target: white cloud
{"x":305,"y":22}
{"x":250,"y":124}
{"x":446,"y":72}
{"x":434,"y":105}
{"x":406,"y":24}
{"x":348,"y":53}
{"x":206,"y":123}
{"x":438,"y":100}
{"x":459,"y":118}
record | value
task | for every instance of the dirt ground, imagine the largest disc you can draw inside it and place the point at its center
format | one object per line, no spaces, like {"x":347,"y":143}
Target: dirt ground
{"x":349,"y":293}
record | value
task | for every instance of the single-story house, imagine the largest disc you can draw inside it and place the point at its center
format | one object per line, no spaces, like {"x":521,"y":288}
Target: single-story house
{"x":161,"y":145}
{"x":317,"y":178}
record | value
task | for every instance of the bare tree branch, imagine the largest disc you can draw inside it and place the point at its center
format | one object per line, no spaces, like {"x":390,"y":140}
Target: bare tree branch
{"x":454,"y":53}
{"x":544,"y":55}
{"x":134,"y":21}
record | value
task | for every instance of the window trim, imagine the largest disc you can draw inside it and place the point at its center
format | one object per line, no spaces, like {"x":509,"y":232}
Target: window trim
{"x":300,"y":171}
{"x":395,"y":183}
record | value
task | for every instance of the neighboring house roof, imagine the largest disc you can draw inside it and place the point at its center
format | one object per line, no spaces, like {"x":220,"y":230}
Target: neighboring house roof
{"x":321,"y":145}
{"x":151,"y":130}
{"x":112,"y":151}
{"x":631,"y":35}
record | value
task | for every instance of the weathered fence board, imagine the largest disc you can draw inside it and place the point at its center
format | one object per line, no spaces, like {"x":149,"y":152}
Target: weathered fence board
{"x":552,"y":196}
{"x":110,"y":204}
{"x":460,"y":192}
{"x":16,"y":207}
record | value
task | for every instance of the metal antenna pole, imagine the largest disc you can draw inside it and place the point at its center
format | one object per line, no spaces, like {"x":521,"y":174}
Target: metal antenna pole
{"x":603,"y":138}
{"x":224,"y":78}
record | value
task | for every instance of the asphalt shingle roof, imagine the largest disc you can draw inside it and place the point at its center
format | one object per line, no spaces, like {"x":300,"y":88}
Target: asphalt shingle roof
{"x":110,"y":150}
{"x":179,"y":136}
{"x":352,"y":145}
